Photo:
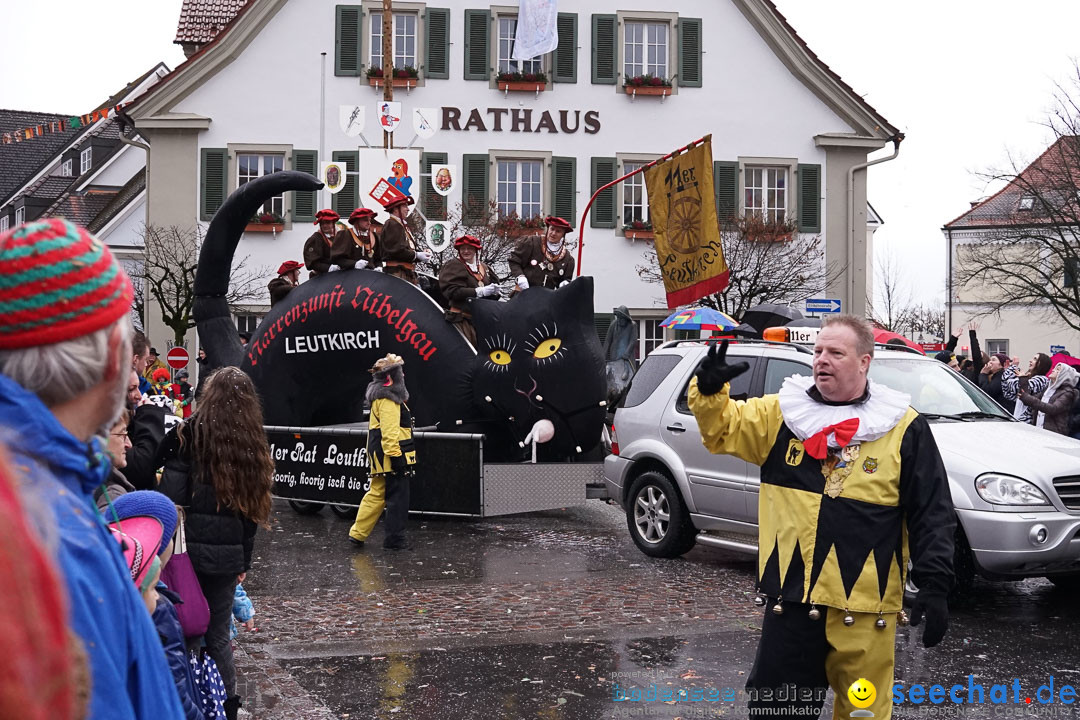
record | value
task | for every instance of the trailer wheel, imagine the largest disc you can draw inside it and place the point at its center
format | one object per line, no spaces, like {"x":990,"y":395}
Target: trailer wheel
{"x":305,"y":508}
{"x":657,"y":517}
{"x":345,"y":512}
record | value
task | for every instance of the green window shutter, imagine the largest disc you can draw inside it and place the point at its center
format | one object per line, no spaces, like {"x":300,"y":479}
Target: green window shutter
{"x":212,"y":180}
{"x":726,"y":186}
{"x":347,"y":199}
{"x":474,"y":189}
{"x":602,"y":321}
{"x":689,"y":52}
{"x":303,"y":209}
{"x":432,"y":204}
{"x":602,"y":171}
{"x":564,"y":188}
{"x":809,"y":198}
{"x":564,"y":61}
{"x":604,"y":49}
{"x":437,"y":57}
{"x":348,"y":40}
{"x":477,"y":55}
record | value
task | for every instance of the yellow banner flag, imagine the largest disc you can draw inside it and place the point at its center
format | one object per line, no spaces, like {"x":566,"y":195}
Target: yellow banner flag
{"x":682,"y":207}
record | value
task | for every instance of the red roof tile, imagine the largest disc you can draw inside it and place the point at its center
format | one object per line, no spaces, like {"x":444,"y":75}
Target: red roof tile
{"x":202,"y":20}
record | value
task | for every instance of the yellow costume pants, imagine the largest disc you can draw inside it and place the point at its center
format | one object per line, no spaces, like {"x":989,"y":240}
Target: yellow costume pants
{"x":371,"y":508}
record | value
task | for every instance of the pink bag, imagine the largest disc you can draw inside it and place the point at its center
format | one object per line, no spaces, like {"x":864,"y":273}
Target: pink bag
{"x":179,"y":576}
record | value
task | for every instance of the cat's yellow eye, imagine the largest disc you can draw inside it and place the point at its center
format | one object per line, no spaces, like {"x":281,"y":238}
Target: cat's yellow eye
{"x":547,"y":348}
{"x":499,"y":357}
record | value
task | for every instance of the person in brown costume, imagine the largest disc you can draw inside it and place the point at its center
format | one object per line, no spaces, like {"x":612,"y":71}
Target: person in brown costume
{"x":355,"y":246}
{"x":397,"y":245}
{"x":287,"y":280}
{"x":317,"y":249}
{"x":543,"y":261}
{"x":464,"y":279}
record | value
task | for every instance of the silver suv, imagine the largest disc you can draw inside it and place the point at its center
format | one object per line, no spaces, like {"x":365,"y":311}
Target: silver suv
{"x":1016,"y":488}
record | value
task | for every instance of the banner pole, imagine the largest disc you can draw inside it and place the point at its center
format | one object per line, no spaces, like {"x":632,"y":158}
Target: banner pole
{"x":643,"y":168}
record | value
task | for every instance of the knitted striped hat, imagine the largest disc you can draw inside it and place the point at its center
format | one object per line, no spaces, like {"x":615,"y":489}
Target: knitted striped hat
{"x":57,"y":282}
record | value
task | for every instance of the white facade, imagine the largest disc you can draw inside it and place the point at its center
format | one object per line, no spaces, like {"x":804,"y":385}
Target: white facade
{"x":258,"y":89}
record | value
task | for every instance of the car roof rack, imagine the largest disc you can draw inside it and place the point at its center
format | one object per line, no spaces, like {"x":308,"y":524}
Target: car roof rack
{"x":735,"y":341}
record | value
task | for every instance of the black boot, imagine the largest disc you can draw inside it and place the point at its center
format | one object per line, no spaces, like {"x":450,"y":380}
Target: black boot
{"x":232,"y":707}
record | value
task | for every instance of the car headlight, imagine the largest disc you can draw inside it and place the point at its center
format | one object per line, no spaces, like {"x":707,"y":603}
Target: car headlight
{"x":1008,"y":490}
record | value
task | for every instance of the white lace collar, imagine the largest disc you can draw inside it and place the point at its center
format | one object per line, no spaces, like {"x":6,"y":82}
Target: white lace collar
{"x":805,"y":416}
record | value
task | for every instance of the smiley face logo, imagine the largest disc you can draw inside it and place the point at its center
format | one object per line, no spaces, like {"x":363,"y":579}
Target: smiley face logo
{"x":862,"y":693}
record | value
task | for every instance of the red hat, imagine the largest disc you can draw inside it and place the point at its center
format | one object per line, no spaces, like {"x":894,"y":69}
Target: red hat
{"x":470,"y":240}
{"x":57,"y":282}
{"x":325,"y":216}
{"x":558,"y":222}
{"x":140,"y":538}
{"x":361,"y":213}
{"x":404,"y":200}
{"x":288,"y":266}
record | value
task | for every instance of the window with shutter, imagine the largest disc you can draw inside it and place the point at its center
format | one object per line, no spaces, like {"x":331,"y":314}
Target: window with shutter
{"x":690,"y":52}
{"x":602,"y":171}
{"x":477,"y":60}
{"x":437,"y":30}
{"x":303,"y":209}
{"x":809,"y":198}
{"x":604,"y":50}
{"x":564,"y":188}
{"x":212,"y":180}
{"x":348,"y":56}
{"x":474,"y":189}
{"x":348,"y":198}
{"x":602,"y":321}
{"x":432,"y":204}
{"x":726,"y":185}
{"x":564,"y":61}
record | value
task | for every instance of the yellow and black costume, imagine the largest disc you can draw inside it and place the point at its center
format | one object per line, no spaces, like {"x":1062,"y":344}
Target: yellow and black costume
{"x":845,"y":488}
{"x":391,"y":455}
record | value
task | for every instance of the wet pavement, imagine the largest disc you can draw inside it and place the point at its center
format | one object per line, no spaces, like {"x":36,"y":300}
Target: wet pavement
{"x":557,"y":614}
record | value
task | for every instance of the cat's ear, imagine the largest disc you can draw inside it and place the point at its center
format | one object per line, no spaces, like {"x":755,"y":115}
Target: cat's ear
{"x":576,"y":300}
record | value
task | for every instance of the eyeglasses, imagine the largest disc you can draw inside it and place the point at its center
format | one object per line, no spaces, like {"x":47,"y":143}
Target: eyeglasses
{"x":120,"y":434}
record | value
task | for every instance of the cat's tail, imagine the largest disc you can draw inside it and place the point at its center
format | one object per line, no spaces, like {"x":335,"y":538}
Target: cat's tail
{"x":217,"y":333}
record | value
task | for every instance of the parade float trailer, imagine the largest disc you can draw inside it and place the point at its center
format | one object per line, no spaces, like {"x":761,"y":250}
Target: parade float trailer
{"x":513,"y":425}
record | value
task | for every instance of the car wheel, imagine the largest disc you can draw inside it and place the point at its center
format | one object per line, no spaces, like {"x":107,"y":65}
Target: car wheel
{"x":657,"y":517}
{"x":346,"y":512}
{"x":305,"y":508}
{"x":1065,"y":582}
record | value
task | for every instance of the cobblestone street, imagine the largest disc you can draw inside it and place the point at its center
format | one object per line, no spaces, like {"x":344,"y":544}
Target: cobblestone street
{"x":550,"y":615}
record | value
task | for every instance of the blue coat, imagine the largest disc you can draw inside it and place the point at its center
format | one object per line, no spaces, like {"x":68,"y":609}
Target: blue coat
{"x":167,"y":623}
{"x":57,"y":472}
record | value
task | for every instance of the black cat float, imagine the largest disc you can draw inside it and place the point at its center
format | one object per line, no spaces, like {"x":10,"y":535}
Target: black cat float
{"x":538,"y":358}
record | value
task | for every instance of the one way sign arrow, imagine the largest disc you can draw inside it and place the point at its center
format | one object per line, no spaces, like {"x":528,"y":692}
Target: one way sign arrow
{"x":823,"y":305}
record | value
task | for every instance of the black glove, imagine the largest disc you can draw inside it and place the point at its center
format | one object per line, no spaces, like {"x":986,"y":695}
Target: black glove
{"x":936,"y":607}
{"x":398,"y":464}
{"x":714,"y":372}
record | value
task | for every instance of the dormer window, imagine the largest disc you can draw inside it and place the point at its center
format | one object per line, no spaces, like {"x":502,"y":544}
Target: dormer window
{"x":65,"y":168}
{"x":84,"y":160}
{"x":1027,"y":202}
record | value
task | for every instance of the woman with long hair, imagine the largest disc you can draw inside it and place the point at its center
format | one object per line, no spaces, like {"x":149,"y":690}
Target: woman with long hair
{"x":218,"y":466}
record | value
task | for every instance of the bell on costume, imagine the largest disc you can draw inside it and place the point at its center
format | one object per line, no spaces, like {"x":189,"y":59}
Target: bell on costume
{"x":759,"y":600}
{"x":901,"y":618}
{"x":848,"y":619}
{"x":880,"y":624}
{"x":778,"y":609}
{"x":814,"y":613}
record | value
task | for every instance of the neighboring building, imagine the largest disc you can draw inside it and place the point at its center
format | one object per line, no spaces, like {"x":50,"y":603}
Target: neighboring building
{"x":1012,"y":219}
{"x":786,"y":129}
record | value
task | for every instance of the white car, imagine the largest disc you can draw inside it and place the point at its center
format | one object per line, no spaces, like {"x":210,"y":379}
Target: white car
{"x":1016,"y":488}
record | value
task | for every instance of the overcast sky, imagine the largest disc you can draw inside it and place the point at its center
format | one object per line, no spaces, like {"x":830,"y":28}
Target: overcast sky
{"x":966,"y":80}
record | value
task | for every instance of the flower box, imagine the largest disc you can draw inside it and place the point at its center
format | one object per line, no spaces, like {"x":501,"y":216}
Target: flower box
{"x":522,"y":86}
{"x":647,"y":90}
{"x":264,"y":227}
{"x":639,"y":234}
{"x":767,"y":236}
{"x":395,"y":82}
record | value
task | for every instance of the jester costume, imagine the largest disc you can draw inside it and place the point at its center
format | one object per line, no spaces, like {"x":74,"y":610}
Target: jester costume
{"x":847,"y":490}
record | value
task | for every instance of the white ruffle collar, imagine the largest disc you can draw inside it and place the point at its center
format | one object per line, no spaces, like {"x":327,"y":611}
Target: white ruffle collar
{"x":805,"y":416}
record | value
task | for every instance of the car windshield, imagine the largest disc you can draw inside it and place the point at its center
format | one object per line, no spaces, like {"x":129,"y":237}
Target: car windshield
{"x":935,"y":390}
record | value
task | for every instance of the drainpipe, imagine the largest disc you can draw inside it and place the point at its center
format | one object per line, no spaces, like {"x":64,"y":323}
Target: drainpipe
{"x":948,"y":282}
{"x":851,"y":212}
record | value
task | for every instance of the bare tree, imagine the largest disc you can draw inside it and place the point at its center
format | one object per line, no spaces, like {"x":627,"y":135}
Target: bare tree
{"x":1029,"y":250}
{"x":168,"y":275}
{"x":893,"y":308}
{"x":767,"y":263}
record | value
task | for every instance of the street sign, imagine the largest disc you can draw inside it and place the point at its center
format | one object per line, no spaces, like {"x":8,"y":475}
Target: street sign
{"x":177,"y":358}
{"x":822,"y":305}
{"x":1055,"y":349}
{"x":932,"y":347}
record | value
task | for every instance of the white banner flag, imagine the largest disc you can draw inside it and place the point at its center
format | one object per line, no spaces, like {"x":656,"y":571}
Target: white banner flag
{"x":537,"y":29}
